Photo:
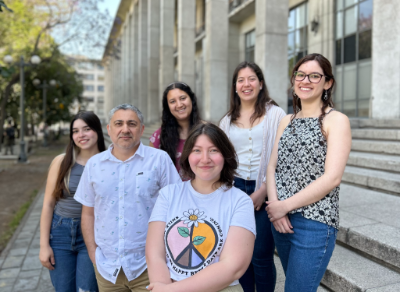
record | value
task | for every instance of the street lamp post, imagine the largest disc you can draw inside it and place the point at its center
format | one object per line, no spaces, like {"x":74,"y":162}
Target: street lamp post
{"x":35,"y":60}
{"x":44,"y":86}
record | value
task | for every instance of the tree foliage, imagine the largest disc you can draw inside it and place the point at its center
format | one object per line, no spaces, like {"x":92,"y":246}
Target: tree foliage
{"x":29,"y":31}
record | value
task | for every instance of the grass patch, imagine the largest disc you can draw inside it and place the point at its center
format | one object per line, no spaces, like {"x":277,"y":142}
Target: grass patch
{"x":16,"y":220}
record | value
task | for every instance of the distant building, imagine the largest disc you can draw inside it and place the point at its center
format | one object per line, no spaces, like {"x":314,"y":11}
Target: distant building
{"x":92,"y":74}
{"x":200,"y":42}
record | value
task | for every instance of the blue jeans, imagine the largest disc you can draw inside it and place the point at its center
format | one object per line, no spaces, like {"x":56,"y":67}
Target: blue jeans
{"x":73,"y":270}
{"x":261,"y":272}
{"x":305,"y":254}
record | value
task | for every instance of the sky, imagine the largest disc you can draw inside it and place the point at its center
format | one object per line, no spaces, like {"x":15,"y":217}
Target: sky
{"x":112,"y":7}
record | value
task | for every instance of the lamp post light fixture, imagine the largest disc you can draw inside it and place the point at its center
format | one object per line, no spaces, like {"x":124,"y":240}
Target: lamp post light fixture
{"x":35,"y":60}
{"x":44,"y":86}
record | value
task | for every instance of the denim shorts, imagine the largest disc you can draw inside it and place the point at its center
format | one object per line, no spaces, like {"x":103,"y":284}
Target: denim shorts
{"x":73,"y":269}
{"x":305,"y":254}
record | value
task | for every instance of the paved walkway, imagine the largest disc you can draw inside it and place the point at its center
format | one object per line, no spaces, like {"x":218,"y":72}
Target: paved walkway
{"x":20,"y":268}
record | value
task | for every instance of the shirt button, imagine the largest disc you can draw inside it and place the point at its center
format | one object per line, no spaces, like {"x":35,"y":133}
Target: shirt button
{"x":250,"y":138}
{"x":248,"y":178}
{"x":120,"y":198}
{"x":249,"y":167}
{"x":250,"y":149}
{"x":120,"y":217}
{"x":120,"y":256}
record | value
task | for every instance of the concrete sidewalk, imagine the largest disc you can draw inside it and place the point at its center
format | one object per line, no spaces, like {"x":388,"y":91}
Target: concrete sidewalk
{"x":20,"y":268}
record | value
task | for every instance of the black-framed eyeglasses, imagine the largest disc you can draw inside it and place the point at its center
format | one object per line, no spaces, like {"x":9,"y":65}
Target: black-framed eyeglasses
{"x":312,"y":77}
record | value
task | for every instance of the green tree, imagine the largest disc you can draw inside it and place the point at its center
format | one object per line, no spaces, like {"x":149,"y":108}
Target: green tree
{"x":28,"y":31}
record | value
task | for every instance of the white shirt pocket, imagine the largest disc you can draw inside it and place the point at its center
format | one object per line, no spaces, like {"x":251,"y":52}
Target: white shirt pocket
{"x":146,"y":185}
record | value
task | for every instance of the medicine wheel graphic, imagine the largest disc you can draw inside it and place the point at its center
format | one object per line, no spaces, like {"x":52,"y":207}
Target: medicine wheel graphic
{"x":189,"y":247}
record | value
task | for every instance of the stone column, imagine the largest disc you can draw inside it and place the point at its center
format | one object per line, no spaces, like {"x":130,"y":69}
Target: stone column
{"x":130,"y":57}
{"x":166,"y":45}
{"x":108,"y":88}
{"x":143,"y":61}
{"x":135,"y":57}
{"x":271,"y":46}
{"x":124,"y":52}
{"x":385,"y":102}
{"x":322,"y":41}
{"x":186,"y":45}
{"x":153,"y":108}
{"x":216,"y":60}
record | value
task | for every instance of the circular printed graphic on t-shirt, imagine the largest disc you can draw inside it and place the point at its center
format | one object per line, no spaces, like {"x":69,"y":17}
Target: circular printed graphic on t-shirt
{"x":191,"y":240}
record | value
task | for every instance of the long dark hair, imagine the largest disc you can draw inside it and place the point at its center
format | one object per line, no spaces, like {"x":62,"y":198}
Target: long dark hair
{"x":169,"y":138}
{"x":327,"y":69}
{"x":72,"y":150}
{"x":224,"y":145}
{"x":263,"y":97}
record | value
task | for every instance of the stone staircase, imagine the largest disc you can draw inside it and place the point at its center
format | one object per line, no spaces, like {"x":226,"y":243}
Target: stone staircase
{"x":367,"y":254}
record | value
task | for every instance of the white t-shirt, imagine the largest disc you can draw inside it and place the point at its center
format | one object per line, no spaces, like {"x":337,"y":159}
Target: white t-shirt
{"x":197,"y":225}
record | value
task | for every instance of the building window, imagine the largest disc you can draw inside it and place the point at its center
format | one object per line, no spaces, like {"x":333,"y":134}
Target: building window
{"x":100,"y":99}
{"x":100,"y":77}
{"x":87,"y":76}
{"x":353,"y":57}
{"x":89,"y":88}
{"x":250,"y":41}
{"x":297,"y":41}
{"x":100,"y":88}
{"x":88,"y":98}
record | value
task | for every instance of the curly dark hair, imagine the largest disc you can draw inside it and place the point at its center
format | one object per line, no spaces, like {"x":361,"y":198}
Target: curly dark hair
{"x":169,"y":137}
{"x":263,"y":97}
{"x":327,"y":69}
{"x":224,"y":145}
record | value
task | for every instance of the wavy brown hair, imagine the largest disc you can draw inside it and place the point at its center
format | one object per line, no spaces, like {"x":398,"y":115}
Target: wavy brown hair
{"x":263,"y":97}
{"x":72,"y":151}
{"x":327,"y":69}
{"x":224,"y":145}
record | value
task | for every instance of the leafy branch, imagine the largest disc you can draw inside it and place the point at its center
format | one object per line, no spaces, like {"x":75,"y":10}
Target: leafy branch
{"x":3,"y":5}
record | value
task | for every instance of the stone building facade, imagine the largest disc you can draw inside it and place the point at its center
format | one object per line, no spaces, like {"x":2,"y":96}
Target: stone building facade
{"x":200,"y":42}
{"x":92,"y":75}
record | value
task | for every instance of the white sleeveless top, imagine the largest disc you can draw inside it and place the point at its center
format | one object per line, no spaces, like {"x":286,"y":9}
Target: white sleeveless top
{"x":248,"y":145}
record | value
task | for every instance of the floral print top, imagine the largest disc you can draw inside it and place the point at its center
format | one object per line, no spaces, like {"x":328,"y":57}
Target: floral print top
{"x":301,"y":160}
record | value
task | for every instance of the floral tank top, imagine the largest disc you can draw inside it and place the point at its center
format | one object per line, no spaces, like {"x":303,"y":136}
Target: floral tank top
{"x":301,"y":160}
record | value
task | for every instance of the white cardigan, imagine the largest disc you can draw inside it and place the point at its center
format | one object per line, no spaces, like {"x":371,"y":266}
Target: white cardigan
{"x":274,"y":115}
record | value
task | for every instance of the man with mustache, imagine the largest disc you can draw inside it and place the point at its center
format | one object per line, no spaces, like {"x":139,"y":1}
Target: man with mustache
{"x":118,"y":190}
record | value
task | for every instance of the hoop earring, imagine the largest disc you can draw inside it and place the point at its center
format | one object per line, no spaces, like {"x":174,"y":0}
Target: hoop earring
{"x":294,"y":94}
{"x":326,"y":95}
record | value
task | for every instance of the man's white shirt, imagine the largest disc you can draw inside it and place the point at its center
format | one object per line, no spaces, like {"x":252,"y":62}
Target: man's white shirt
{"x":123,"y":194}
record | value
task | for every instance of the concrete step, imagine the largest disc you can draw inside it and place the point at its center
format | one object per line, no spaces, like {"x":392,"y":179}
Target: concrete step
{"x":377,"y":179}
{"x":375,"y":161}
{"x":370,"y":222}
{"x":376,"y":134}
{"x":348,"y":271}
{"x":385,"y":147}
{"x":372,"y":123}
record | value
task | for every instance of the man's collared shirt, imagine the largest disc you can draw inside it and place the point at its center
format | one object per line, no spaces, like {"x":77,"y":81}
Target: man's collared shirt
{"x":123,"y":194}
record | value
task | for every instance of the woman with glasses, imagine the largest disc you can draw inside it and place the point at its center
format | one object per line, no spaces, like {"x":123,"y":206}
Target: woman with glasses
{"x":201,"y":232}
{"x":179,"y":115}
{"x":304,"y":173}
{"x":251,"y":124}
